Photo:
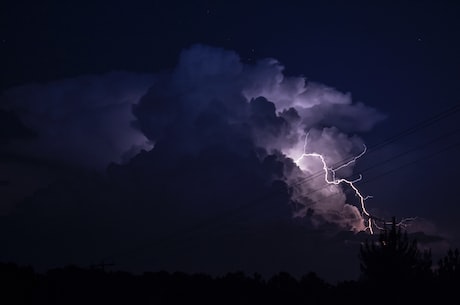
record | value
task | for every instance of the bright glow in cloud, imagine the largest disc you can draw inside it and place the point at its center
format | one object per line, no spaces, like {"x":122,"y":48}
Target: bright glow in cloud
{"x":276,"y":110}
{"x":330,"y":178}
{"x":211,"y":99}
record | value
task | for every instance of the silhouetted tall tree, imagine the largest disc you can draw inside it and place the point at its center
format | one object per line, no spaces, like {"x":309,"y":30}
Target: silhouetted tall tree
{"x":448,"y":277}
{"x":394,"y":258}
{"x":449,"y":266}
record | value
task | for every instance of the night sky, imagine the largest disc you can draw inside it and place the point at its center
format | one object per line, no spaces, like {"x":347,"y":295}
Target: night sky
{"x":163,"y":134}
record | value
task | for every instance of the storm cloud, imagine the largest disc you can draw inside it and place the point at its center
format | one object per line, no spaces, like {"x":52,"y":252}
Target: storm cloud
{"x":83,"y":121}
{"x":212,"y":98}
{"x":212,"y":142}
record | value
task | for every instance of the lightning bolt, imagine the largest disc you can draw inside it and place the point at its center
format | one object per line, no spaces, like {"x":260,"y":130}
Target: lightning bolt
{"x":330,"y":178}
{"x":404,"y":223}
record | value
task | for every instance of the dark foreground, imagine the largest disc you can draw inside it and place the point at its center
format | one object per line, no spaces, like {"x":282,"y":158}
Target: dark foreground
{"x":75,"y":285}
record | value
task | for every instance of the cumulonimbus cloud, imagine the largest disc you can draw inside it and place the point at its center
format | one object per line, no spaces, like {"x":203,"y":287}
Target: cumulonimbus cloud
{"x":213,"y":145}
{"x":211,"y":99}
{"x":260,"y":104}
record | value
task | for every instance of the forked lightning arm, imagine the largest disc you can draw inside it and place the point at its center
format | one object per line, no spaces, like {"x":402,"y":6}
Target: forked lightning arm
{"x":336,"y":181}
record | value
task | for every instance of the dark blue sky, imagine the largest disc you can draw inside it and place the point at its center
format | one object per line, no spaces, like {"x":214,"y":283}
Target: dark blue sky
{"x":400,"y":57}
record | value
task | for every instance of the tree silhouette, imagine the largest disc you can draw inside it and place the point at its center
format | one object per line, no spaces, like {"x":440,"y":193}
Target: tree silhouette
{"x":449,"y":266}
{"x":394,"y":258}
{"x":448,"y":276}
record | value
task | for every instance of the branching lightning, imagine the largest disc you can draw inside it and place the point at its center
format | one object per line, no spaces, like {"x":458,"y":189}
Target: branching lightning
{"x":329,"y":171}
{"x":404,"y":223}
{"x":331,"y":179}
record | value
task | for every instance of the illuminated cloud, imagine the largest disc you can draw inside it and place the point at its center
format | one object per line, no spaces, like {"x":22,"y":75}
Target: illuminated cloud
{"x":225,"y":138}
{"x":210,"y":101}
{"x":212,"y":98}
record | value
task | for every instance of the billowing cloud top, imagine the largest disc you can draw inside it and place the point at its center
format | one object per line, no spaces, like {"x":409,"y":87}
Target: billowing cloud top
{"x":212,"y":98}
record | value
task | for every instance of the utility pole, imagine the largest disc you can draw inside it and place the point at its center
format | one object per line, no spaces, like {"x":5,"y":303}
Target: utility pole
{"x":102,"y":265}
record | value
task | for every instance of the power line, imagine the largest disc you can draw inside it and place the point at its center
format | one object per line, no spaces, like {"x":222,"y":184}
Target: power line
{"x":209,"y":222}
{"x":419,"y":126}
{"x":443,"y":136}
{"x":449,"y":147}
{"x":425,"y":123}
{"x":411,"y":130}
{"x":452,"y":146}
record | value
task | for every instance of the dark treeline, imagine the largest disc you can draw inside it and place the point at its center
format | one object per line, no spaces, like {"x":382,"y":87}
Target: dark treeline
{"x":393,"y":271}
